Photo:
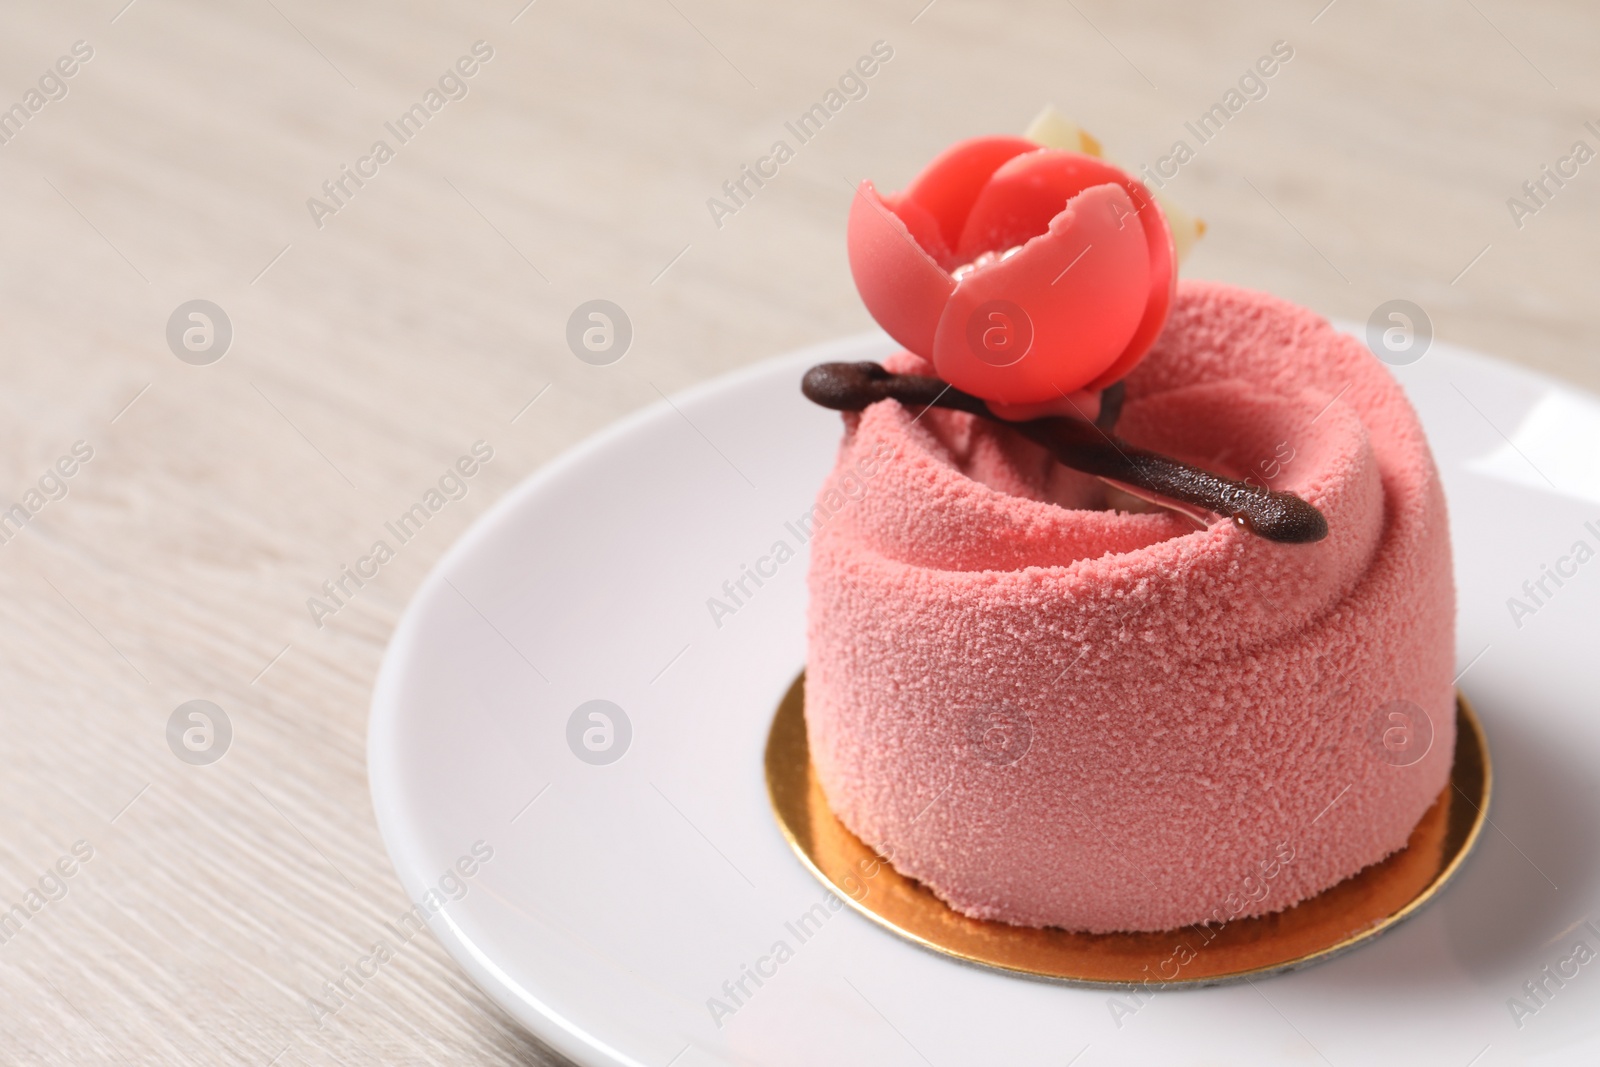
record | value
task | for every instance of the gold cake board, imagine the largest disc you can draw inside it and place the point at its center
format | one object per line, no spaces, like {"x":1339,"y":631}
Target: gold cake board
{"x":1348,"y":914}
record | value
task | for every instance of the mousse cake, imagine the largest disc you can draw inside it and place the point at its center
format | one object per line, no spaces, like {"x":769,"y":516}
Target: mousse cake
{"x":1119,"y":635}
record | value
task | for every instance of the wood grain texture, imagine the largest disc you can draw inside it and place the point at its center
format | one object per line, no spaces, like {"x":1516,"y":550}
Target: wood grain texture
{"x":370,"y":352}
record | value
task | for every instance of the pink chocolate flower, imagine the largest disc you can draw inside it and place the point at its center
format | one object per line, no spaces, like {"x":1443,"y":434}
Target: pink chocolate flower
{"x":1024,"y":274}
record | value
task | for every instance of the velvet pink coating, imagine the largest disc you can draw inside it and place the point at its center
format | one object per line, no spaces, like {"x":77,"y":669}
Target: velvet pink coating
{"x":1058,"y":715}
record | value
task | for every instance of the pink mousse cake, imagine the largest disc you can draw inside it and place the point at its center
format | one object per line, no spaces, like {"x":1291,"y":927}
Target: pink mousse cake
{"x":1055,"y":706}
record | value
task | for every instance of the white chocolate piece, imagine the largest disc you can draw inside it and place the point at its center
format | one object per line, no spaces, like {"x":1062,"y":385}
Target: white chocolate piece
{"x":1054,"y":130}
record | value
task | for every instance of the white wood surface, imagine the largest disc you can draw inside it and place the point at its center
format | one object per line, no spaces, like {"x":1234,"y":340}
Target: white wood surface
{"x":431,"y":308}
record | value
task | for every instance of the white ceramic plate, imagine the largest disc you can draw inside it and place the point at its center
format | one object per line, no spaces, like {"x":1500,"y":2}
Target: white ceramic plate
{"x":619,"y":902}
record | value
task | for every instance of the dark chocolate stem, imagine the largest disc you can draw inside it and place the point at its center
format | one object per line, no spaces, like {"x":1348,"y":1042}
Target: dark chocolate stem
{"x":1083,"y":446}
{"x":1111,"y":398}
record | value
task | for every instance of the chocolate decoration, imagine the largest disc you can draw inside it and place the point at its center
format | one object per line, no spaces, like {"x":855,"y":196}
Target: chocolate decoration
{"x":1111,"y":398}
{"x":1083,"y":446}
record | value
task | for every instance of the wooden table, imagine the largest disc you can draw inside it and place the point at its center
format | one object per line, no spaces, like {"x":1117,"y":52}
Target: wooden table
{"x":375,"y":339}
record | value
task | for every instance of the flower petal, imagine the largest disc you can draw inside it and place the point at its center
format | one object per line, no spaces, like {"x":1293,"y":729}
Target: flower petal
{"x":1053,"y":317}
{"x":947,"y":187}
{"x":1163,"y":286}
{"x":1026,"y":192}
{"x":923,"y":226}
{"x":902,"y":286}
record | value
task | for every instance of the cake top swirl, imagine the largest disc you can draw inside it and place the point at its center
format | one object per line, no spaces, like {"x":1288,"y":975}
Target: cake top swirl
{"x":1087,"y":447}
